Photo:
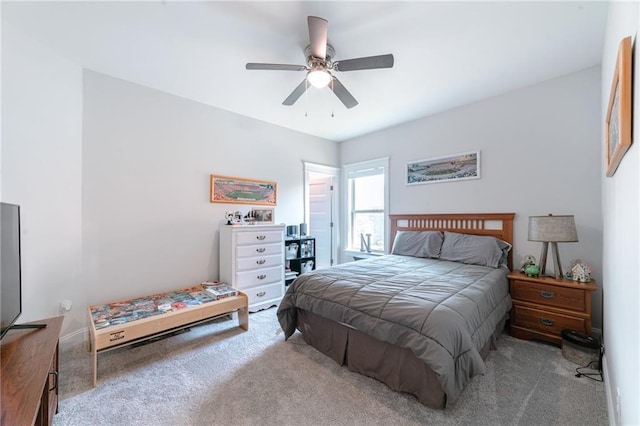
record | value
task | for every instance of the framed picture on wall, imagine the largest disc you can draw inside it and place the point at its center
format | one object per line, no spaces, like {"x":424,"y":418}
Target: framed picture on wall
{"x":444,"y":169}
{"x":227,"y":189}
{"x":618,"y":121}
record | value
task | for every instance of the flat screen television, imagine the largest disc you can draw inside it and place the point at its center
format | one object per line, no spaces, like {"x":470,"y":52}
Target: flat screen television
{"x":10,"y":272}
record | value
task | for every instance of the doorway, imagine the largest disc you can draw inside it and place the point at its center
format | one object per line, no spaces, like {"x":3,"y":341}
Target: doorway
{"x":321,"y":210}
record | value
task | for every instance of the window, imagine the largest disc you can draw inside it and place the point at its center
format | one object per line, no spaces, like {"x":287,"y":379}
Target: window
{"x":366,"y":206}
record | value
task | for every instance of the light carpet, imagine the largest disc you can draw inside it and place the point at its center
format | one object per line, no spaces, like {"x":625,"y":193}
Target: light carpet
{"x":218,"y":374}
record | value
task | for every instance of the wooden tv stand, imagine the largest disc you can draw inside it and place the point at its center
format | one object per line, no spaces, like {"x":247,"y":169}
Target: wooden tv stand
{"x":127,"y":333}
{"x":29,"y":371}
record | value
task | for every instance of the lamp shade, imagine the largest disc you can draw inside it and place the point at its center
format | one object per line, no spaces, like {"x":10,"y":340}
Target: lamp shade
{"x":560,"y":229}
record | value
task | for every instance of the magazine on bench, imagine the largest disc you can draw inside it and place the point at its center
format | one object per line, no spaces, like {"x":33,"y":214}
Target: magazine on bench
{"x":218,"y":290}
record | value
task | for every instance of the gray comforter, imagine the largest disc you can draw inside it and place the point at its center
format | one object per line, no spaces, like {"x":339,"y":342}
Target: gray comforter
{"x":444,"y":312}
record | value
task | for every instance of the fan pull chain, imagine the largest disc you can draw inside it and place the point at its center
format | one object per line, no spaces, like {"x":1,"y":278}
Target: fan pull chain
{"x":332,"y":98}
{"x":306,"y":96}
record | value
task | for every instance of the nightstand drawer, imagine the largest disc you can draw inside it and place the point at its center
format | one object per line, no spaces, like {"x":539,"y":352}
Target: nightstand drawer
{"x":547,"y":322}
{"x":549,"y":295}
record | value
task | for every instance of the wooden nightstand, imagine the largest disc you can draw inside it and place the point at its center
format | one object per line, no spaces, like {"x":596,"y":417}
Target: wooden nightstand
{"x":544,"y":306}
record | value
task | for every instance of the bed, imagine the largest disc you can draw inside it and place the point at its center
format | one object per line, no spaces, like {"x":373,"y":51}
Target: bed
{"x":420,"y":319}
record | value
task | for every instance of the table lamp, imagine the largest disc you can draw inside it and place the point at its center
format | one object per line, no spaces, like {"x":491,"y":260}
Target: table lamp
{"x":554,"y":230}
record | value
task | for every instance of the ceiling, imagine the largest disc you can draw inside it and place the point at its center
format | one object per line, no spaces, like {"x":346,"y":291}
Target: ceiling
{"x":447,"y":54}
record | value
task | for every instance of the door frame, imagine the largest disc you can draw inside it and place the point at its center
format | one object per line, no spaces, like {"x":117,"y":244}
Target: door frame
{"x":334,"y":173}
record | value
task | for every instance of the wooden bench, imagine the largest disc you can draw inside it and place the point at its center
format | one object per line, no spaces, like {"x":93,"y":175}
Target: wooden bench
{"x":119,"y":323}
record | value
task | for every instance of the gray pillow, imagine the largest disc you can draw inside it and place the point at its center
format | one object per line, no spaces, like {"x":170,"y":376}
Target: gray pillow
{"x":474,"y":249}
{"x":418,"y":243}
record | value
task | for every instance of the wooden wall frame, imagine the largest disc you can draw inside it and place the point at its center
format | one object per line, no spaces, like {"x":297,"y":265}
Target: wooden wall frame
{"x":618,"y":121}
{"x":235,"y":190}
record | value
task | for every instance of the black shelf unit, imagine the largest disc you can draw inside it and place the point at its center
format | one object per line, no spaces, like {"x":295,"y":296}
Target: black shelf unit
{"x":297,"y":252}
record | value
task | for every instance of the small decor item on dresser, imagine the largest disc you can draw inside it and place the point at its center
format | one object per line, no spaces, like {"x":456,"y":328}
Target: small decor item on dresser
{"x":263,"y":216}
{"x":230,"y":217}
{"x":532,"y":270}
{"x":528,"y":260}
{"x":579,"y":271}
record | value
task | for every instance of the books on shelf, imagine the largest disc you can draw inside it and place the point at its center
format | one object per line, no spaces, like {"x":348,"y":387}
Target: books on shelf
{"x":218,"y":290}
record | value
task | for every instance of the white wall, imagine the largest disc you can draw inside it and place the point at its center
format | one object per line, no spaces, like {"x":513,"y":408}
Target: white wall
{"x":540,"y":154}
{"x":148,"y":224}
{"x":113,"y":180}
{"x":621,"y":251}
{"x":41,"y":170}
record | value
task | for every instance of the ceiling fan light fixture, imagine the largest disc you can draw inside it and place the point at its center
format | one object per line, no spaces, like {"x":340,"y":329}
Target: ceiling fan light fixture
{"x":319,"y":77}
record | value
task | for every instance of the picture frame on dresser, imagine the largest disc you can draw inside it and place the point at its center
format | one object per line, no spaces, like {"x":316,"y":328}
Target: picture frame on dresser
{"x":263,"y":216}
{"x":618,"y":121}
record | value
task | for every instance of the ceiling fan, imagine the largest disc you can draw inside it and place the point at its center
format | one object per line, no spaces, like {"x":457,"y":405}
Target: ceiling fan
{"x":320,"y":63}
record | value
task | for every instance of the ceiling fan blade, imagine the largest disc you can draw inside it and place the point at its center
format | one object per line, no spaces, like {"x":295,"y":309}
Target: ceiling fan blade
{"x":318,"y":36}
{"x":278,"y":67}
{"x":343,"y":94}
{"x":297,"y":92}
{"x":368,"y":63}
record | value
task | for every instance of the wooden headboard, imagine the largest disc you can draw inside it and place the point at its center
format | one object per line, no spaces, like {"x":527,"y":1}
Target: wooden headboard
{"x":499,"y":225}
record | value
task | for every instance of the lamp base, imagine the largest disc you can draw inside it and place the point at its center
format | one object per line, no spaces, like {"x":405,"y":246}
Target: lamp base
{"x":557,"y":266}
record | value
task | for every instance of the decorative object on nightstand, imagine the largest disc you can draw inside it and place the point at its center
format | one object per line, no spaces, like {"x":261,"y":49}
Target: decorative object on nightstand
{"x":528,"y":260}
{"x":532,"y":270}
{"x":554,"y":230}
{"x":544,"y":306}
{"x":579,"y":271}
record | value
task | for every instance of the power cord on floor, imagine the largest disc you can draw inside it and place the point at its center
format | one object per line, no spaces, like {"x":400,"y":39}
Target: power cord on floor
{"x":593,"y":365}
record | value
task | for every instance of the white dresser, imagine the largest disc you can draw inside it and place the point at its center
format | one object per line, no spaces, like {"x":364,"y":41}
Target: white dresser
{"x":252,"y":260}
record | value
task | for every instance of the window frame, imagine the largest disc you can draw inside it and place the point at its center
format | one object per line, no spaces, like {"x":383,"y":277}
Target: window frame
{"x":363,"y":169}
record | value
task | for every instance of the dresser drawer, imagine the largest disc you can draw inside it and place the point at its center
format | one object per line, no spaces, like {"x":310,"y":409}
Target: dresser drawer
{"x":264,"y":293}
{"x":549,"y":295}
{"x":547,"y":322}
{"x":259,"y":250}
{"x":256,"y":277}
{"x":259,"y":237}
{"x":254,"y":262}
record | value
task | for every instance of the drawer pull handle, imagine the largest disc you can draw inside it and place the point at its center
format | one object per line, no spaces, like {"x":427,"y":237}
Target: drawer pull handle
{"x":260,"y":262}
{"x":261,"y":237}
{"x":261,"y":250}
{"x":262,"y":293}
{"x":55,"y":376}
{"x":261,"y":276}
{"x":547,"y":294}
{"x":546,"y":321}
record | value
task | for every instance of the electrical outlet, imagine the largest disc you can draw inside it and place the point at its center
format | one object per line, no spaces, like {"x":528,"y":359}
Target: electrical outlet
{"x":64,"y":306}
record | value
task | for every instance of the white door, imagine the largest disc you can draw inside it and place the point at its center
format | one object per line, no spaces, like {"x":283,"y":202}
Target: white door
{"x":321,"y":211}
{"x":320,"y":192}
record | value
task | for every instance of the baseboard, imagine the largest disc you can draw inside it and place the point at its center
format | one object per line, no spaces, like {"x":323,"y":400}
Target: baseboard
{"x":607,"y":387}
{"x":597,"y":333}
{"x":71,"y":340}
